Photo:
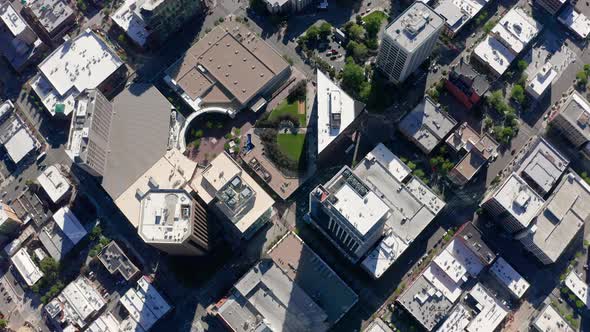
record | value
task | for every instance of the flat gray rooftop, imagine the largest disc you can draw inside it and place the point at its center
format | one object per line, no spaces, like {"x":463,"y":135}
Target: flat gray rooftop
{"x":428,"y":124}
{"x":415,"y":25}
{"x":577,"y":112}
{"x":51,"y":13}
{"x":139,"y":132}
{"x":544,"y":165}
{"x":472,"y":239}
{"x":423,"y":302}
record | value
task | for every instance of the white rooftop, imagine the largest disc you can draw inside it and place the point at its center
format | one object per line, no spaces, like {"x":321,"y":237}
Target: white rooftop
{"x":458,"y":12}
{"x":69,"y":224}
{"x":549,"y":320}
{"x":336,"y":110}
{"x":520,"y":200}
{"x":414,"y":26}
{"x":12,"y":20}
{"x":578,"y":287}
{"x":491,"y":313}
{"x":128,"y":18}
{"x":543,"y":165}
{"x":442,"y":282}
{"x":25,"y":266}
{"x":20,"y":145}
{"x":384,"y":255}
{"x":575,"y":21}
{"x":55,"y":184}
{"x":76,"y":303}
{"x":457,"y":321}
{"x":397,"y":168}
{"x":83,"y":62}
{"x":516,"y":29}
{"x":538,"y":84}
{"x":494,"y":54}
{"x":145,"y":304}
{"x":509,"y":277}
{"x":361,"y":212}
{"x":166,"y":216}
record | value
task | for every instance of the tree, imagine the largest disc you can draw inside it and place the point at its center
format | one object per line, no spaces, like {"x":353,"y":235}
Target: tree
{"x":325,"y":30}
{"x":355,"y":31}
{"x":358,"y":51}
{"x":411,"y":165}
{"x":353,"y":77}
{"x":312,"y":33}
{"x":522,"y":64}
{"x":372,"y":25}
{"x":517,"y":93}
{"x":3,"y":323}
{"x":582,"y":78}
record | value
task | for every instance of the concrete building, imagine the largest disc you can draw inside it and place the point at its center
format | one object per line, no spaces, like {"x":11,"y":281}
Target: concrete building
{"x":514,"y":204}
{"x":234,"y":195}
{"x":549,"y":320}
{"x":16,"y":137}
{"x":542,"y":166}
{"x":479,"y":149}
{"x":551,"y":6}
{"x":60,"y":235}
{"x":292,"y":290}
{"x":84,"y":62}
{"x":275,"y":7}
{"x":26,"y":267}
{"x":427,"y":125}
{"x":145,"y":305}
{"x":509,"y":278}
{"x":378,"y":325}
{"x":336,"y":110}
{"x":9,"y":221}
{"x":230,"y":67}
{"x":578,"y":287}
{"x":51,"y":19}
{"x":18,"y":42}
{"x":575,"y":21}
{"x":539,"y":84}
{"x":377,"y":200}
{"x":560,"y":220}
{"x":466,"y":84}
{"x":509,"y":37}
{"x":114,"y":260}
{"x":54,"y":183}
{"x":170,"y":220}
{"x":573,"y":120}
{"x":436,"y":294}
{"x":457,"y":13}
{"x":76,"y":306}
{"x":408,"y":41}
{"x":151,"y":22}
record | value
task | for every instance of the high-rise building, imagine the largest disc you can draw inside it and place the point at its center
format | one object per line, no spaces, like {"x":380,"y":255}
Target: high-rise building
{"x":408,"y":41}
{"x":152,"y":21}
{"x":552,"y":6}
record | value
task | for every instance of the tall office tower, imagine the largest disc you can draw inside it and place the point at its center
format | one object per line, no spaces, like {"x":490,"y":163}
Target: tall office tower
{"x":9,"y":221}
{"x":408,"y":41}
{"x":551,"y":6}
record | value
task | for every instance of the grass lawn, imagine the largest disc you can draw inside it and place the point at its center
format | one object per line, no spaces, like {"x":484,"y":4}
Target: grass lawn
{"x":291,"y":145}
{"x":382,"y":16}
{"x":287,"y":108}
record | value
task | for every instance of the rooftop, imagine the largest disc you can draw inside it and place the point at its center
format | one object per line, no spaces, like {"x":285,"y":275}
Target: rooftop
{"x":578,"y":287}
{"x":516,"y":29}
{"x":336,"y":110}
{"x":473,"y":239}
{"x":539,"y":83}
{"x":55,"y":184}
{"x":543,"y":166}
{"x":519,"y":199}
{"x":577,"y":112}
{"x":378,"y":325}
{"x":415,"y":25}
{"x":166,"y":216}
{"x":60,"y":236}
{"x":549,"y":320}
{"x":26,"y":267}
{"x":83,"y":62}
{"x":129,"y":18}
{"x":491,"y":312}
{"x":509,"y":277}
{"x":145,"y":304}
{"x":380,"y":259}
{"x":428,"y":124}
{"x":425,"y":303}
{"x":575,"y":21}
{"x":238,"y":195}
{"x":469,"y":165}
{"x":51,"y":13}
{"x":11,"y":19}
{"x":76,"y":303}
{"x":20,"y":145}
{"x":115,"y":260}
{"x":494,"y":54}
{"x":464,"y":77}
{"x":458,"y":12}
{"x":230,"y":58}
{"x":562,"y":217}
